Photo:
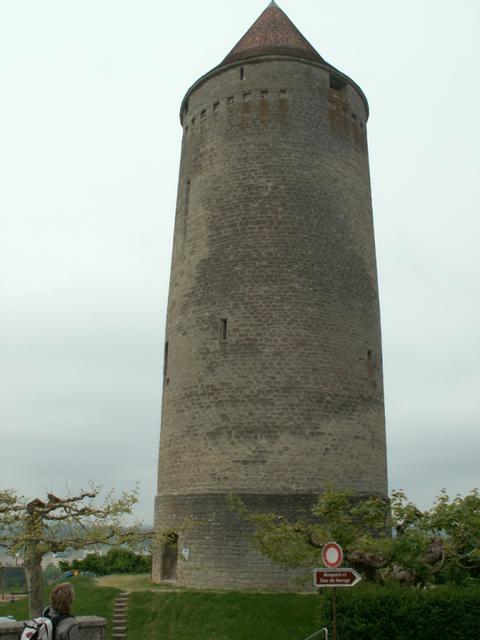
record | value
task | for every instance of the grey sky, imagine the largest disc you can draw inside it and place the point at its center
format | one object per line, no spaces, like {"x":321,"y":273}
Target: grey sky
{"x":90,"y":141}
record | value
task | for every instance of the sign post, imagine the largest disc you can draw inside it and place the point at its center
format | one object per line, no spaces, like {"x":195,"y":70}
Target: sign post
{"x":334,"y":613}
{"x":333,"y":576}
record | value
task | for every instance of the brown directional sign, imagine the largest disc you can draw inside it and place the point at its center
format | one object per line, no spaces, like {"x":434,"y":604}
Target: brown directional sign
{"x":335,"y":577}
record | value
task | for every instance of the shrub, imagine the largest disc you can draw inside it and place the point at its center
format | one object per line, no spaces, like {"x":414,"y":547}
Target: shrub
{"x":115,"y":561}
{"x":405,"y":613}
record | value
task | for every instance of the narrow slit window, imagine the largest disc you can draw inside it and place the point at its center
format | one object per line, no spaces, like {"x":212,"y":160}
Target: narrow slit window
{"x":216,"y":105}
{"x":165,"y":361}
{"x":242,"y":73}
{"x":371,"y":368}
{"x":187,"y":196}
{"x":223,"y":329}
{"x":264,"y":94}
{"x":203,"y":113}
{"x":337,"y":83}
{"x":230,"y":100}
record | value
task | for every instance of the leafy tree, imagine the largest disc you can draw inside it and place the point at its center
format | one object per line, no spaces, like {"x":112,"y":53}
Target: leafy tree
{"x":388,"y":541}
{"x":34,"y":528}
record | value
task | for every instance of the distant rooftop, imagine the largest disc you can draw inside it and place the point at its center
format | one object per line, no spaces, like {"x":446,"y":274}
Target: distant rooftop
{"x":273,"y":33}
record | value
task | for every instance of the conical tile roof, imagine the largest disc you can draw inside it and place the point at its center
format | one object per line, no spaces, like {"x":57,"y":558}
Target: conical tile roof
{"x":273,"y":33}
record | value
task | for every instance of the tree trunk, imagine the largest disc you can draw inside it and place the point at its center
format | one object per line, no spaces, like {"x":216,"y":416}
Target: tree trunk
{"x":33,"y":569}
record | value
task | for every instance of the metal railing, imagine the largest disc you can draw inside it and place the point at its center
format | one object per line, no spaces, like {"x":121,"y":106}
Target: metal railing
{"x":316,"y":634}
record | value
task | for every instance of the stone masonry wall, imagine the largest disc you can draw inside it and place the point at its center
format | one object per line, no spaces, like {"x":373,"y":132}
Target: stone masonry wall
{"x":273,"y":382}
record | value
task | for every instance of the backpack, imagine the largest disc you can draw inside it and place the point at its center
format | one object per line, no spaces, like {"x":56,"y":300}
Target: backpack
{"x":43,"y":628}
{"x":37,"y":629}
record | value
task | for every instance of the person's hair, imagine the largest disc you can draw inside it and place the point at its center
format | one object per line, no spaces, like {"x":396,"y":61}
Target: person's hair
{"x":61,"y":597}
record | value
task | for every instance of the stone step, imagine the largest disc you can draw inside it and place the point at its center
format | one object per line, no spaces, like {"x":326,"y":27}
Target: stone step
{"x":119,"y":630}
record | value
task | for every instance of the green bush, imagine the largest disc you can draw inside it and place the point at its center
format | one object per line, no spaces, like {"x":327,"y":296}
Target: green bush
{"x":407,"y":613}
{"x":115,"y":561}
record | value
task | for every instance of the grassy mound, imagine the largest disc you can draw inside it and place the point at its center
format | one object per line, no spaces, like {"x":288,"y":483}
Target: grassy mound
{"x":223,"y":616}
{"x":364,"y":613}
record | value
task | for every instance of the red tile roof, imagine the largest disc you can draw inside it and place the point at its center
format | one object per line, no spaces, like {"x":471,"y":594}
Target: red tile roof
{"x":273,"y":33}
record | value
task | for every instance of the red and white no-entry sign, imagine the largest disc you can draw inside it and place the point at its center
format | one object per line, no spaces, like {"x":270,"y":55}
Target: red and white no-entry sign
{"x":332,"y":555}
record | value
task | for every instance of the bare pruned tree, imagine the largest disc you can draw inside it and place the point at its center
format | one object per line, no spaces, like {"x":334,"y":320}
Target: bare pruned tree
{"x":36,"y":527}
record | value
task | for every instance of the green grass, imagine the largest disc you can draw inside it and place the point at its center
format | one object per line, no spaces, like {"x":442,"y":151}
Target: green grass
{"x":90,"y":600}
{"x":364,"y":613}
{"x":17,"y":609}
{"x":224,"y":616}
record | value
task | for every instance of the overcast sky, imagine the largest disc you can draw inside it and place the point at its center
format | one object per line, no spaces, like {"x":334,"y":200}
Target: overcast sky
{"x":89,"y":154}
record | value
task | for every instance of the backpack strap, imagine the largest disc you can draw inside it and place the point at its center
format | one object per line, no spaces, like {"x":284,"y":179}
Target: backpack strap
{"x":60,"y":618}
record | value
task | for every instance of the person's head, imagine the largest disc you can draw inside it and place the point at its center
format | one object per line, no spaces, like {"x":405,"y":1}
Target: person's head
{"x":62,"y":597}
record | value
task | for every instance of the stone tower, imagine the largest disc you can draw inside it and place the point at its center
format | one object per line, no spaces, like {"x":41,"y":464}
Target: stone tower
{"x":273,"y":367}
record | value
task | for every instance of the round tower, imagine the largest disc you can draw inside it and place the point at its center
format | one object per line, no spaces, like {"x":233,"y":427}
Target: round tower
{"x":273,"y":367}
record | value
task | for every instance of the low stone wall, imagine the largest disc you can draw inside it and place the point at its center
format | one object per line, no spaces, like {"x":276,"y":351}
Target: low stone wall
{"x":90,"y":628}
